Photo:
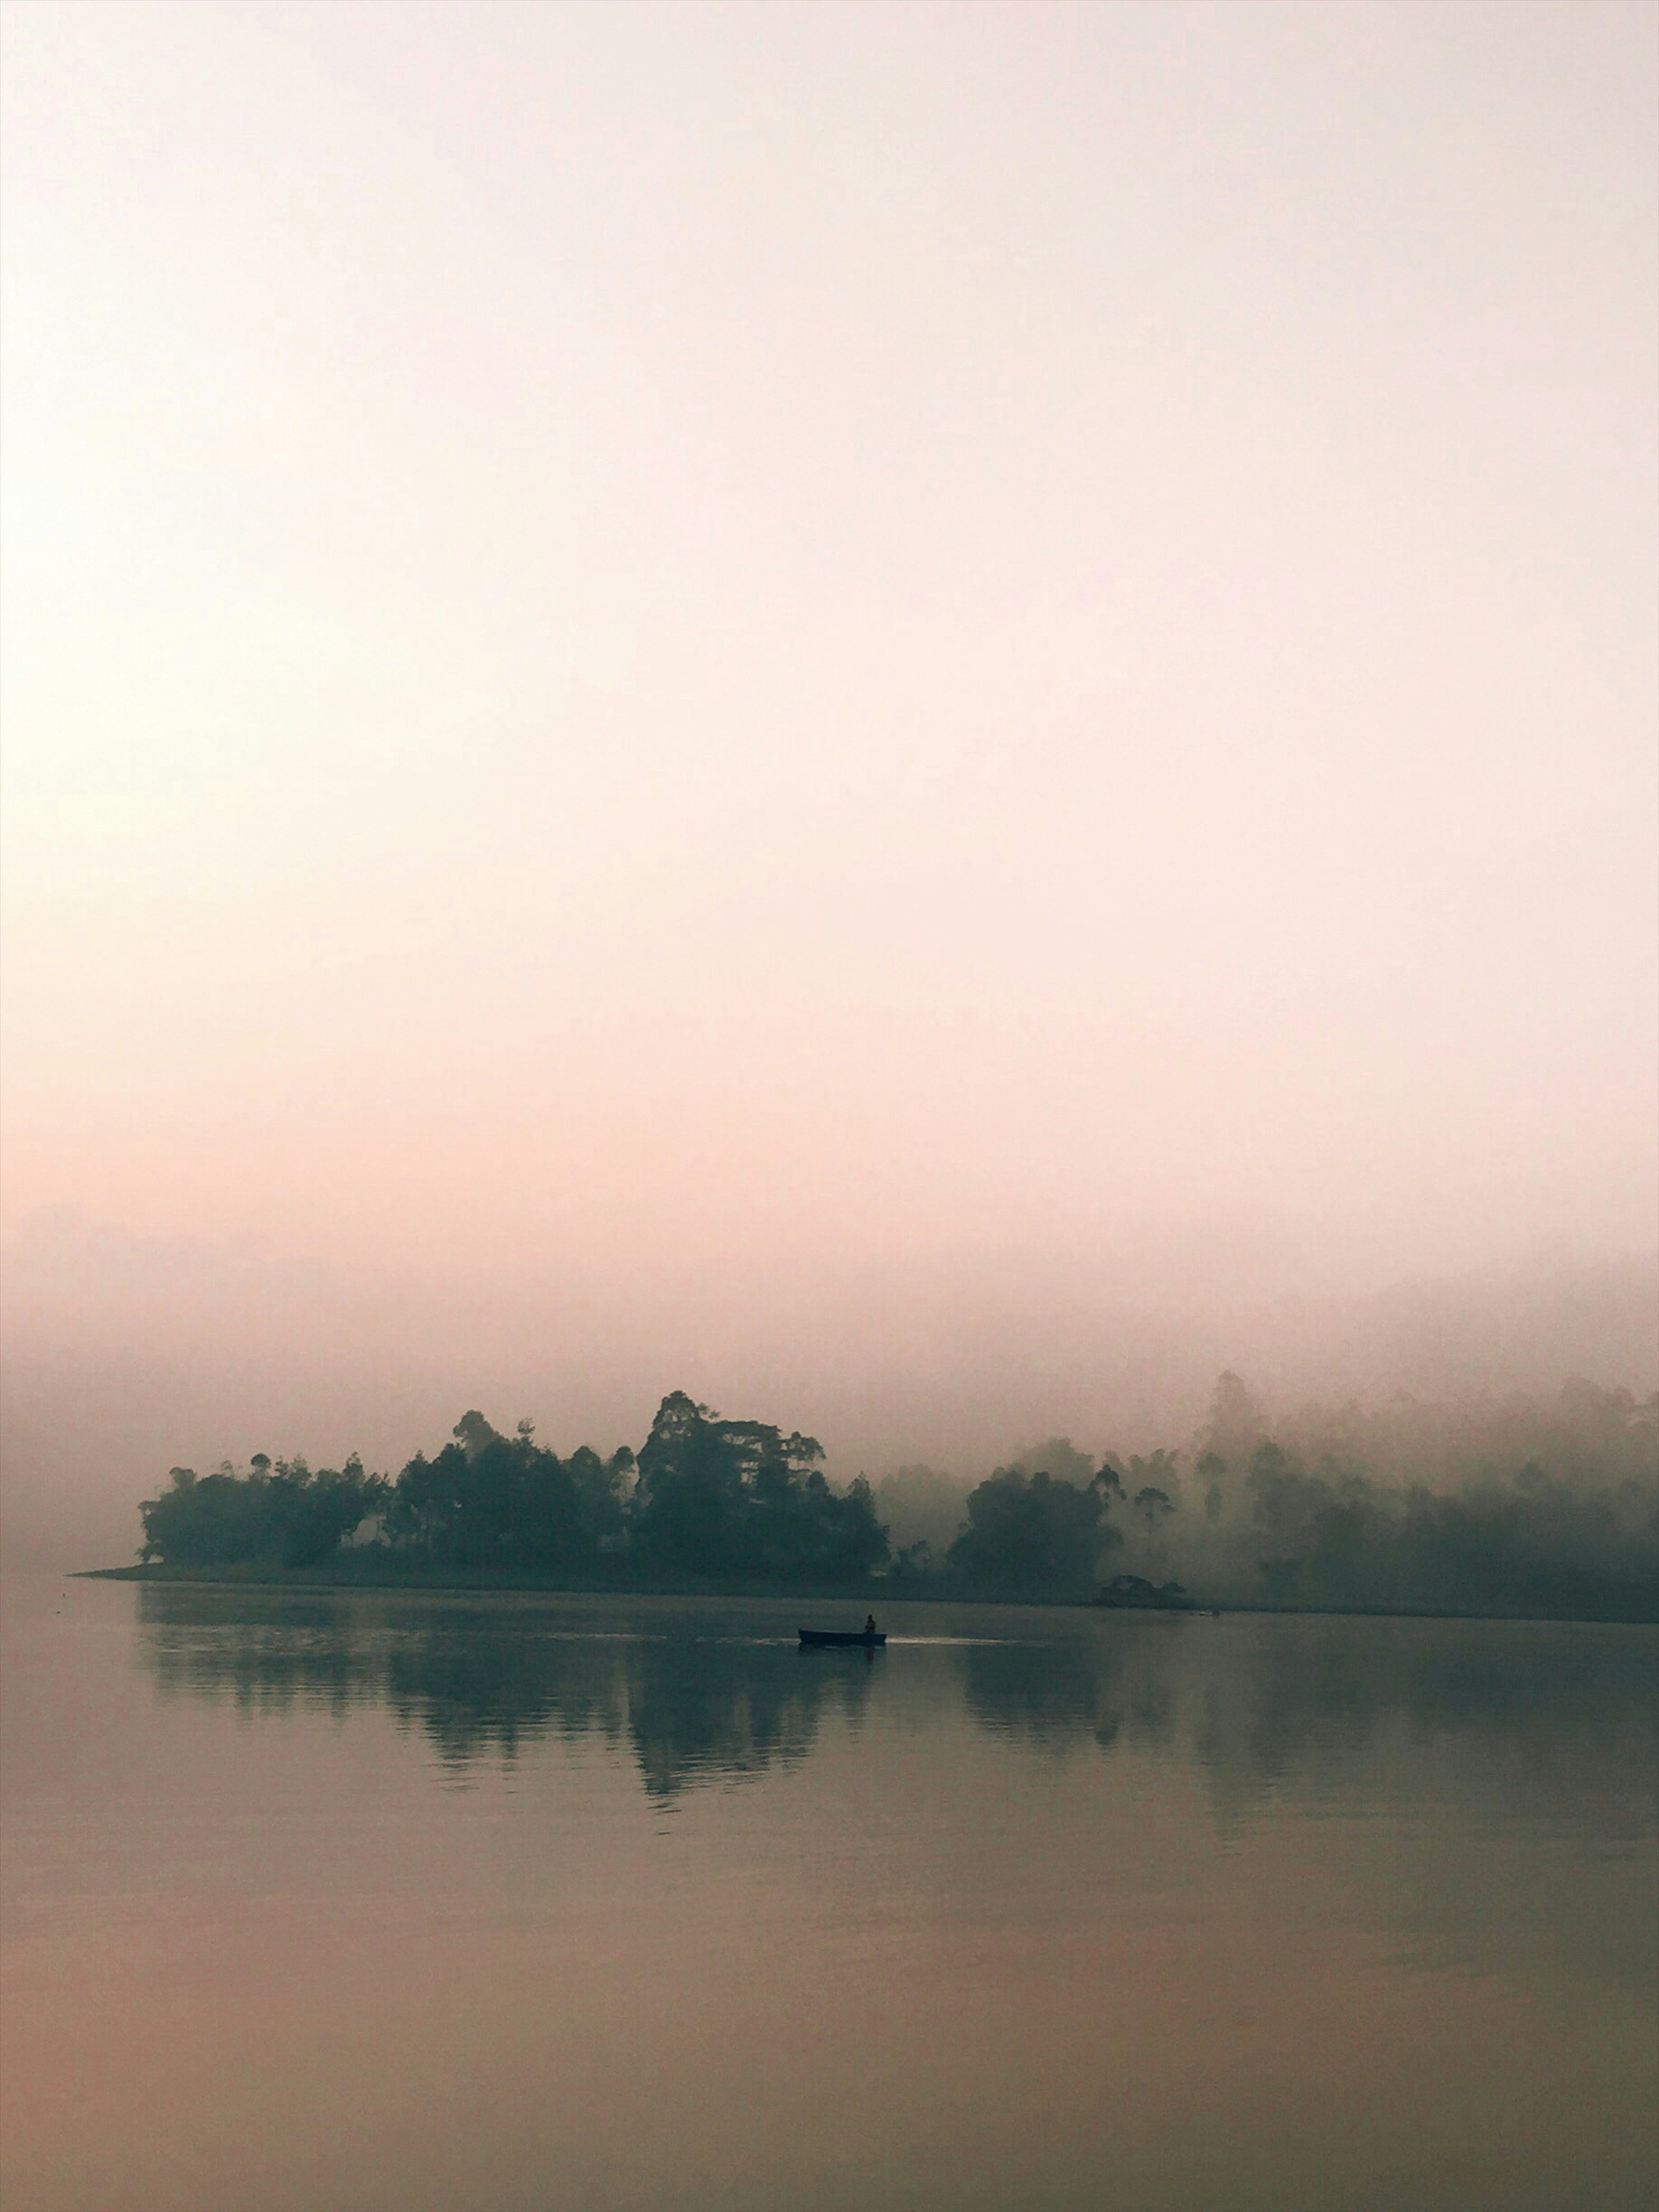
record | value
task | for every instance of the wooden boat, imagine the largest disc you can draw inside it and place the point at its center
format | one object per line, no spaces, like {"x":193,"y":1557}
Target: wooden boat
{"x":811,"y":1638}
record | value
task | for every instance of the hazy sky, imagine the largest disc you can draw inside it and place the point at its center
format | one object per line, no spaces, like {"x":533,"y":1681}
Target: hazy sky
{"x":711,"y":643}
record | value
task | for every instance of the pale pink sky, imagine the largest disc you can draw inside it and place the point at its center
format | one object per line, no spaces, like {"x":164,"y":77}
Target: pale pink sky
{"x":647,"y":643}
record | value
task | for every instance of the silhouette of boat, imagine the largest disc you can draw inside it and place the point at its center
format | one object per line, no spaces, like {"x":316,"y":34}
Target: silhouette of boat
{"x":813,"y":1637}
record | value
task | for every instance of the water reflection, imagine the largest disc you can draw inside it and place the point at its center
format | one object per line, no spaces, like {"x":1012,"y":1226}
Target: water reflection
{"x":485,"y":1684}
{"x":1042,"y":1909}
{"x":1533,"y":1715}
{"x":1529,"y":1718}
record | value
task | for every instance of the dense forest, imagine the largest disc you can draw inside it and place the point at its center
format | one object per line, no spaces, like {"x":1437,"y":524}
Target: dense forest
{"x":702,"y":1497}
{"x":1523,"y":1505}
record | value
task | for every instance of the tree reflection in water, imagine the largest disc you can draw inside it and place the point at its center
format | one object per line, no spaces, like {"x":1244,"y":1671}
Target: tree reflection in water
{"x":487,"y":1683}
{"x":1530,"y":1713}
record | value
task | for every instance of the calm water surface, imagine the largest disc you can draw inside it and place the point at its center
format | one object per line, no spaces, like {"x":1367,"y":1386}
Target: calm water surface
{"x":415,"y":1903}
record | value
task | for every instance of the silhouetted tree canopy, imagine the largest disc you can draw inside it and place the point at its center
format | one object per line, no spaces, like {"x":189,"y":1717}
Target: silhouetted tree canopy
{"x":713,"y":1498}
{"x":490,"y":1500}
{"x":1033,"y":1536}
{"x":281,"y":1512}
{"x":728,"y":1497}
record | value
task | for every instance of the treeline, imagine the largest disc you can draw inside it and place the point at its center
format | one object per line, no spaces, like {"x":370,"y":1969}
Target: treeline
{"x":1547,"y":1506}
{"x":1523,"y":1505}
{"x":1516,"y":1505}
{"x":703,"y":1497}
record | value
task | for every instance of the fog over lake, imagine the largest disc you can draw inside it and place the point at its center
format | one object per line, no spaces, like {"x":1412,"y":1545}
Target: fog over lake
{"x":858,"y":797}
{"x":321,"y":1903}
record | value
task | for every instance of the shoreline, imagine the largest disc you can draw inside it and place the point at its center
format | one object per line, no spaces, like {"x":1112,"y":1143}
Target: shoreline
{"x":485,"y":1581}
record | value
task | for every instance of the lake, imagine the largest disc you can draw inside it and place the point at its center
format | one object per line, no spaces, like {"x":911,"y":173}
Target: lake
{"x":410,"y":1903}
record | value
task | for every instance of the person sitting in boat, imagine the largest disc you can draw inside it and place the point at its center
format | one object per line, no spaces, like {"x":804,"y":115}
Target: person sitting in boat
{"x":869,"y":1623}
